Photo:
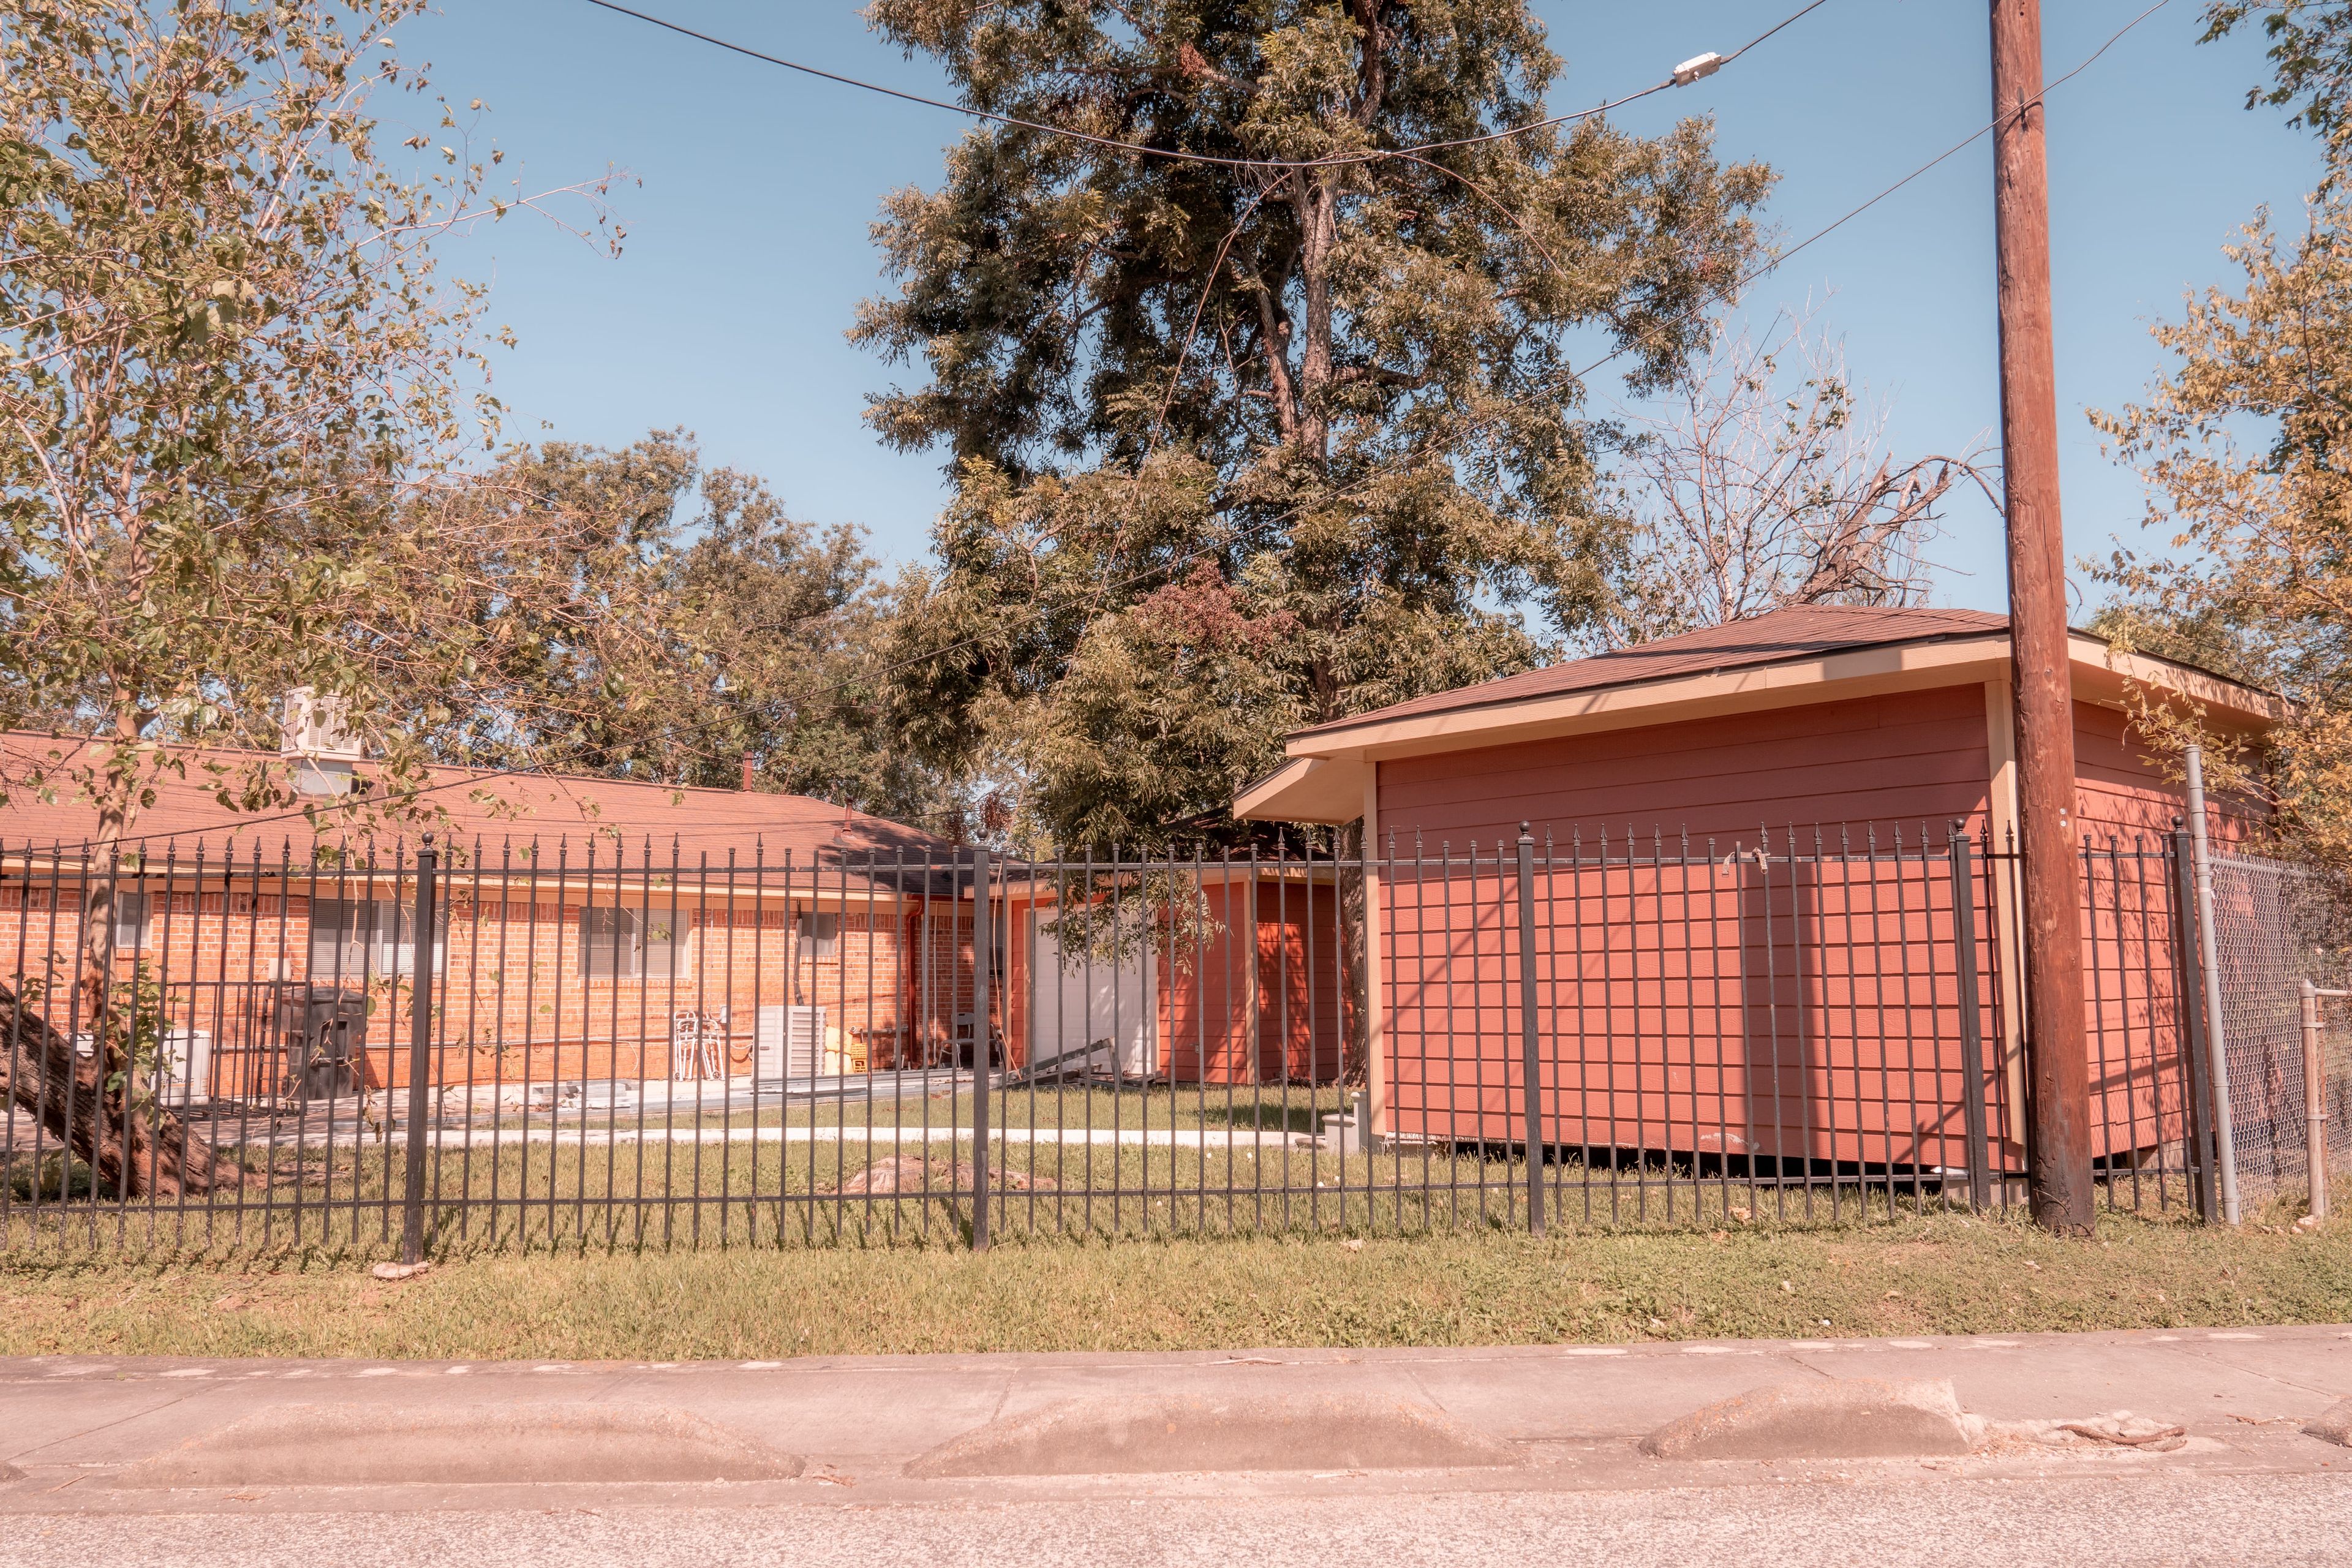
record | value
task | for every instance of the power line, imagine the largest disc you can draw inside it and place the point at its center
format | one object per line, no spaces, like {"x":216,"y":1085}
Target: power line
{"x":1708,"y":65}
{"x":1850,"y":214}
{"x":1367,"y":156}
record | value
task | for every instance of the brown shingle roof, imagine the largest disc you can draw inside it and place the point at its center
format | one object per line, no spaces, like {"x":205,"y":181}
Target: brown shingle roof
{"x":616,"y":813}
{"x":1801,"y":633}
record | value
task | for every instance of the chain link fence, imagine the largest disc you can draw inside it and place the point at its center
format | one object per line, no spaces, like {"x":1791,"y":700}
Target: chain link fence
{"x":2276,"y":926}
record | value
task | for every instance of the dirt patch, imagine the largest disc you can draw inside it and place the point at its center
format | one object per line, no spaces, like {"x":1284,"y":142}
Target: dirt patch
{"x":2115,"y":1432}
{"x":912,"y":1174}
{"x":2334,"y":1425}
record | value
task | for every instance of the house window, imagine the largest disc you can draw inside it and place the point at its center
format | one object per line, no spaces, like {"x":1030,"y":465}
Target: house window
{"x":819,"y":935}
{"x":624,"y":944}
{"x":131,"y":922}
{"x":358,"y":939}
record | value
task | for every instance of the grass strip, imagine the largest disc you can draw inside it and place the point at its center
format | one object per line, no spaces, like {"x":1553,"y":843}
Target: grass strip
{"x":1936,"y":1274}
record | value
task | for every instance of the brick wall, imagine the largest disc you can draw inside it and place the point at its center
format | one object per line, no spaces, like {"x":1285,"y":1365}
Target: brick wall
{"x":514,"y":1004}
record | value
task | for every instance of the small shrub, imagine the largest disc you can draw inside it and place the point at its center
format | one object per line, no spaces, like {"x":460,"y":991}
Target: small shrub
{"x":56,"y":1177}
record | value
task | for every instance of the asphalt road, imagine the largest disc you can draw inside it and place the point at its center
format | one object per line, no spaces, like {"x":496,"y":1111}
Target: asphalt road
{"x":2142,"y":1521}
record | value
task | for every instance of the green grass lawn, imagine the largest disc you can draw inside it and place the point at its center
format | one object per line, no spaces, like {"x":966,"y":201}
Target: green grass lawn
{"x":1939,"y":1273}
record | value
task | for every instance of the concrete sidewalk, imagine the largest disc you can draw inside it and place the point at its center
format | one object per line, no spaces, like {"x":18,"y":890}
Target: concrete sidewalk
{"x":100,"y":1435}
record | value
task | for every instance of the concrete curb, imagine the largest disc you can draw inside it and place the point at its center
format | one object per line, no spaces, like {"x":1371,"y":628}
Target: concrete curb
{"x":1836,"y":1418}
{"x":461,"y":1445}
{"x":1116,"y":1435}
{"x":2333,"y":1425}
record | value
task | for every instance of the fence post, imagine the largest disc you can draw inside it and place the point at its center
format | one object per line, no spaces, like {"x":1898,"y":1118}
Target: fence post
{"x":983,"y":940}
{"x":1972,"y":1096}
{"x":2314,"y":1102}
{"x":420,"y":1048}
{"x":2207,"y":1191}
{"x":2217,"y":1039}
{"x":1527,"y":1030}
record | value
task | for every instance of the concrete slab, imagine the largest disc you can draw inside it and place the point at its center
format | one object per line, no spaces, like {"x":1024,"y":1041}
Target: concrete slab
{"x":182,"y":1411}
{"x":2097,"y":1372}
{"x":1574,"y":1410}
{"x":38,"y":1416}
{"x":869,"y":1415}
{"x":2323,"y":1366}
{"x":1565,"y":1395}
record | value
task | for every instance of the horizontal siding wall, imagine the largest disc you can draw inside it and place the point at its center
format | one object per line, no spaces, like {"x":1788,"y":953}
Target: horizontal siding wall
{"x":2123,"y":793}
{"x":1895,"y":761}
{"x":1724,"y":1006}
{"x":1227,"y":1016}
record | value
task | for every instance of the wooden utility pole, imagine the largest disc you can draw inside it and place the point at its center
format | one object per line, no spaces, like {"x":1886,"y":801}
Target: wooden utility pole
{"x":2058,"y":1134}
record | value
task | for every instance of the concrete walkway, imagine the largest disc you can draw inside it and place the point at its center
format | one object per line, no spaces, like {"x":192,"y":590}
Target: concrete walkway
{"x":885,"y":1134}
{"x":98,"y":1436}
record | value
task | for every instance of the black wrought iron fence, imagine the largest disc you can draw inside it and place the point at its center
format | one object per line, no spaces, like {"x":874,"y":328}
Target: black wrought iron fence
{"x":519,"y":1046}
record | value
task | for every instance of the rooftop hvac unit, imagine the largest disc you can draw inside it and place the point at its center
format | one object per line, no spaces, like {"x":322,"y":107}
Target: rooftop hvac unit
{"x":788,"y":1043}
{"x":314,"y":733}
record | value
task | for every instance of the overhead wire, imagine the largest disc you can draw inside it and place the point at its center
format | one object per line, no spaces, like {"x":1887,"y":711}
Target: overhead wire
{"x":1360,"y":155}
{"x":1781,"y":258}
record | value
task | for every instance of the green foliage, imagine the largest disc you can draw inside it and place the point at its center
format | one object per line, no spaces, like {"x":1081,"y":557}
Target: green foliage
{"x":644,"y":616}
{"x":2244,"y":450}
{"x":228,"y":362}
{"x":1336,"y":398}
{"x":2311,"y":61}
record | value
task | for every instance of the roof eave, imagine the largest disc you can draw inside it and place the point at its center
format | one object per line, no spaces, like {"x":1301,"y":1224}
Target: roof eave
{"x":2099,"y":673}
{"x":1306,"y":789}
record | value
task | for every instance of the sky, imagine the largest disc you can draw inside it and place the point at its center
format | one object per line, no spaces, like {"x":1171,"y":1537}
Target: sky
{"x":749,"y":190}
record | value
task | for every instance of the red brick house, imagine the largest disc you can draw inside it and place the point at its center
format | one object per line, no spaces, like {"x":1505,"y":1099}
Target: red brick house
{"x":601,"y":931}
{"x":592,"y":928}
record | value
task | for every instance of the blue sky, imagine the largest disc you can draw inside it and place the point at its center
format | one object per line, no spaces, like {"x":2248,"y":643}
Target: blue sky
{"x":748,"y":246}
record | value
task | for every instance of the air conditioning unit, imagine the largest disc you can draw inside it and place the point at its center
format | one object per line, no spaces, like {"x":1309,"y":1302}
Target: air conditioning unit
{"x":183,"y":1068}
{"x":787,"y":1043}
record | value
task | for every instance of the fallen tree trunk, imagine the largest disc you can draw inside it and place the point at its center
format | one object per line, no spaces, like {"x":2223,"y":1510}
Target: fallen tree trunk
{"x":80,"y":1100}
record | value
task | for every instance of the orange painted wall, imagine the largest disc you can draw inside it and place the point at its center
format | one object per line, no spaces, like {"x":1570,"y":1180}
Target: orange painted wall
{"x":1894,"y":761}
{"x":1722,"y":1006}
{"x":1222,"y":1019}
{"x":1220,"y":1023}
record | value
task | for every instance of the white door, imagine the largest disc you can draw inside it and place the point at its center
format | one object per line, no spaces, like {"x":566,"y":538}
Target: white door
{"x":1093,"y":1011}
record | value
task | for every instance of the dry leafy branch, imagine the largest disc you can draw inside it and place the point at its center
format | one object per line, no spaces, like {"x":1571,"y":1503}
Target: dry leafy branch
{"x":1764,"y":480}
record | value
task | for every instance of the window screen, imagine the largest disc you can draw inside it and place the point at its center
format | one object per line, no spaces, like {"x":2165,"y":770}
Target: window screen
{"x":820,"y":934}
{"x":131,"y":914}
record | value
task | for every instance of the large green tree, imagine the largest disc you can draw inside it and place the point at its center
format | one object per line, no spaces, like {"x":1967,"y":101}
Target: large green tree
{"x":1283,"y":428}
{"x":647,"y":617}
